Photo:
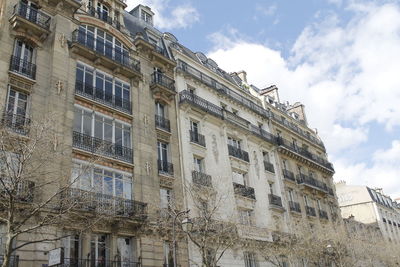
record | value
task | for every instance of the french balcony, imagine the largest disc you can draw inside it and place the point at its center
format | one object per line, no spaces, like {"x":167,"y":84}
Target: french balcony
{"x":270,"y":138}
{"x":197,"y":138}
{"x":23,"y":67}
{"x":238,"y":153}
{"x":165,"y":167}
{"x":275,"y":201}
{"x":103,"y":54}
{"x":200,"y":103}
{"x":244,"y":191}
{"x":294,"y":206}
{"x":104,"y":17}
{"x":16,"y":123}
{"x":288,"y":175}
{"x":99,"y":96}
{"x":22,"y":191}
{"x":163,"y":123}
{"x":105,"y":204}
{"x":312,"y":183}
{"x":268,"y":166}
{"x":30,"y":20}
{"x":323,"y":214}
{"x":162,"y":84}
{"x":98,"y":146}
{"x":310,"y":211}
{"x":201,"y":179}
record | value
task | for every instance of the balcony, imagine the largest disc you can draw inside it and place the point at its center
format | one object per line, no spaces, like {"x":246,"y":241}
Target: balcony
{"x":30,"y":20}
{"x":310,"y":211}
{"x":236,"y":120}
{"x":294,"y":206}
{"x":105,"y":204}
{"x":197,"y":138}
{"x":323,"y":214}
{"x":162,"y":84}
{"x":98,"y":95}
{"x":102,"y":54}
{"x":200,"y":103}
{"x":17,"y":123}
{"x":104,"y":17}
{"x":238,"y":153}
{"x":22,"y":191}
{"x":23,"y":67}
{"x":312,"y":183}
{"x":268,"y":166}
{"x":288,"y":175}
{"x":163,"y":123}
{"x":201,"y":179}
{"x":244,"y":191}
{"x":165,"y":167}
{"x":270,"y":138}
{"x":275,"y":200}
{"x":102,"y":147}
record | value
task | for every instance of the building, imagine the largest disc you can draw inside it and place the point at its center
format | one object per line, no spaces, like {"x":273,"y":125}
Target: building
{"x":256,"y":152}
{"x":105,"y":76}
{"x":371,"y":207}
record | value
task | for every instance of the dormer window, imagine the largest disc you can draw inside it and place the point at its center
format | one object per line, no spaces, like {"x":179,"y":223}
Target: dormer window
{"x":147,"y":17}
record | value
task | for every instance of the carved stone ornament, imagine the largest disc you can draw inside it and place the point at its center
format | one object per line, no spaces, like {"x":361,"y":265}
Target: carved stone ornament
{"x":215,"y":148}
{"x":256,"y":164}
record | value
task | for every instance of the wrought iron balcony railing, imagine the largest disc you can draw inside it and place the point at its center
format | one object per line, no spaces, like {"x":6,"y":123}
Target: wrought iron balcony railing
{"x":312,"y":182}
{"x":22,"y":191}
{"x":104,"y":17}
{"x":201,"y":178}
{"x":70,"y":262}
{"x":163,"y":80}
{"x":294,"y":206}
{"x":33,"y":15}
{"x":105,"y":204}
{"x":197,"y":138}
{"x":310,"y":211}
{"x":244,"y":191}
{"x":23,"y":67}
{"x":98,"y":95}
{"x":165,"y":167}
{"x":102,"y":147}
{"x":263,"y":134}
{"x":186,"y":96}
{"x":275,"y":200}
{"x":160,"y":50}
{"x":163,"y":123}
{"x":323,"y":214}
{"x":116,"y":55}
{"x":17,"y":123}
{"x":288,"y":175}
{"x":268,"y":166}
{"x":238,"y":153}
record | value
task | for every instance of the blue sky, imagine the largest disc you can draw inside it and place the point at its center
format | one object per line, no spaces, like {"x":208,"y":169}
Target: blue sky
{"x":341,"y":58}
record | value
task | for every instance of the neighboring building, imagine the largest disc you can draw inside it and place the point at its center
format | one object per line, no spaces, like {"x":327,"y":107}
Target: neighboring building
{"x":105,"y":86}
{"x":234,"y":140}
{"x":370,"y":206}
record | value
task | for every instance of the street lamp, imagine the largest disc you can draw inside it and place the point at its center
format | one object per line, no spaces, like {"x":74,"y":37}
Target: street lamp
{"x":185,"y":222}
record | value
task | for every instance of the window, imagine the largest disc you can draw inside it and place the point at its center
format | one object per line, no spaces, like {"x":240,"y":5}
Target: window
{"x":17,"y":106}
{"x":306,"y":201}
{"x":240,"y":178}
{"x":319,"y":204}
{"x":295,"y":144}
{"x":246,"y":217}
{"x":99,"y":249}
{"x":23,"y":59}
{"x":146,"y":17}
{"x":234,"y":142}
{"x":291,"y":195}
{"x":165,"y":198}
{"x":162,"y":151}
{"x":250,"y":259}
{"x":168,"y":254}
{"x":160,"y":110}
{"x":266,"y":156}
{"x":125,"y":250}
{"x":191,"y":89}
{"x":102,"y":127}
{"x":102,"y":11}
{"x":271,"y":188}
{"x":198,"y":164}
{"x":194,"y":127}
{"x":285,"y":164}
{"x":102,"y":180}
{"x":71,"y":246}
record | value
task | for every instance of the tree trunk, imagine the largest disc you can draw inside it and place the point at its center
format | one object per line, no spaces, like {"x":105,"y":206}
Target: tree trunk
{"x":8,"y":250}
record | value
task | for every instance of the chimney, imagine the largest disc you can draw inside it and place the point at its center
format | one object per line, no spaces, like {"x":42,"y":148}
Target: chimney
{"x":242,"y":75}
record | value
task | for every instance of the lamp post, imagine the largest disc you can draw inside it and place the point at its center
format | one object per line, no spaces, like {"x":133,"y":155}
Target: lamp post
{"x":174,"y":234}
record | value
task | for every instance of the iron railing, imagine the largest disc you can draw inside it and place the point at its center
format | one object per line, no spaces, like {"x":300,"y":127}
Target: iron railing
{"x":161,"y":50}
{"x":188,"y":97}
{"x":288,"y":175}
{"x":98,"y":95}
{"x":163,"y":80}
{"x":104,"y":17}
{"x":197,"y":138}
{"x":102,"y":147}
{"x":244,"y":191}
{"x":165,"y":167}
{"x":201,"y":178}
{"x":33,"y":15}
{"x":14,"y":260}
{"x":270,"y":138}
{"x":311,"y":182}
{"x":23,"y":67}
{"x":294,"y":206}
{"x":69,"y":262}
{"x":310,"y":211}
{"x":105,"y":204}
{"x":238,"y":153}
{"x":22,"y":191}
{"x":323,"y":214}
{"x":163,"y":123}
{"x":275,"y":200}
{"x":17,"y":123}
{"x":268,"y":166}
{"x":99,"y":47}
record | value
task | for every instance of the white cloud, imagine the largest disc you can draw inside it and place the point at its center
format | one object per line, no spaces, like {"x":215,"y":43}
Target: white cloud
{"x":345,"y":74}
{"x":182,"y":16}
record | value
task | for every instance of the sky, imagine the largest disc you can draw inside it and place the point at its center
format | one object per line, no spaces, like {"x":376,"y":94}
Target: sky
{"x":340,"y":58}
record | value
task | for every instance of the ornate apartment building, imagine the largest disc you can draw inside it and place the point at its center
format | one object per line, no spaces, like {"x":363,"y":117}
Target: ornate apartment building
{"x":106,"y":78}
